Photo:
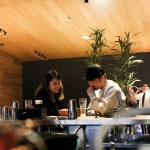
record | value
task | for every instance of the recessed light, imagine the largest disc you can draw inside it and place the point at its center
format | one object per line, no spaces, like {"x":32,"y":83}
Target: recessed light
{"x":85,"y":37}
{"x":1,"y":44}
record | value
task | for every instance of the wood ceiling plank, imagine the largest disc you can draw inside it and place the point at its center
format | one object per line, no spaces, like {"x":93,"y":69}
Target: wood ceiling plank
{"x":44,"y":25}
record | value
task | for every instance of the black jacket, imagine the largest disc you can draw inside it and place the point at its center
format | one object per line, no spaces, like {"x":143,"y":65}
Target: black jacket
{"x":52,"y":108}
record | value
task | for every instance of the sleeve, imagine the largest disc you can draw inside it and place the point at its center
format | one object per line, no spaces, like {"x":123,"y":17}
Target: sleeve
{"x":90,"y":111}
{"x":52,"y":108}
{"x":52,"y":112}
{"x":138,"y":96}
{"x":62,"y":104}
{"x":110,"y":100}
{"x":41,"y":95}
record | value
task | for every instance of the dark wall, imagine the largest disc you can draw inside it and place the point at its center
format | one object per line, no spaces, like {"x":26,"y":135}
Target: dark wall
{"x":72,"y":71}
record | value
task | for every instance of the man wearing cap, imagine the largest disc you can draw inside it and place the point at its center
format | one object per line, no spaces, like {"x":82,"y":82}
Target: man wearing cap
{"x":111,"y":96}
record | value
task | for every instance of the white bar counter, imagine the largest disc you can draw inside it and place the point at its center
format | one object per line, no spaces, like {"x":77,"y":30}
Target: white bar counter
{"x":89,"y":129}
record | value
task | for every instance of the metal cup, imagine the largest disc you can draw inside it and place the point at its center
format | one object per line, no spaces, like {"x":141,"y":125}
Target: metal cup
{"x":15,"y":104}
{"x":72,"y":109}
{"x":15,"y":107}
{"x":5,"y":113}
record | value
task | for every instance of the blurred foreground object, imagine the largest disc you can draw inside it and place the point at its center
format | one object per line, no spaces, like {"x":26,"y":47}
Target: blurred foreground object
{"x":32,"y":140}
{"x":8,"y":137}
{"x":29,"y":139}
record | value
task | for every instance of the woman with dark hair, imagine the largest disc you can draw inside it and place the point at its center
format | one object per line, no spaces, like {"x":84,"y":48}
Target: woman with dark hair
{"x":51,"y":92}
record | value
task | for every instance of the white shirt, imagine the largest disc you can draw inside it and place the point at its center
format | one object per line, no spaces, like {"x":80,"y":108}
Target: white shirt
{"x":146,"y":100}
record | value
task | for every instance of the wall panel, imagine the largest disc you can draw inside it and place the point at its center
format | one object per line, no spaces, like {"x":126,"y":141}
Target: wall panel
{"x":10,"y":80}
{"x":72,"y":70}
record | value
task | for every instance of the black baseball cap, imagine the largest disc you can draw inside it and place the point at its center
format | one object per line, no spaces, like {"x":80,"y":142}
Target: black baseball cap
{"x":93,"y":71}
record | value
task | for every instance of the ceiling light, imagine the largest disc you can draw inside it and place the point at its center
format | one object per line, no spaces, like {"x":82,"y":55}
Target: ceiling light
{"x":1,"y":30}
{"x":1,"y":44}
{"x":4,"y":34}
{"x":85,"y":37}
{"x":35,"y":52}
{"x":40,"y":55}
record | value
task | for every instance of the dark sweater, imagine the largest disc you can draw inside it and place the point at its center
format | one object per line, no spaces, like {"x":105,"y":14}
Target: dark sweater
{"x":52,"y":108}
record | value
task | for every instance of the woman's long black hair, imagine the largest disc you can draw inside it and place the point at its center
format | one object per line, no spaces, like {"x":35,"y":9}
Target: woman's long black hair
{"x":48,"y":77}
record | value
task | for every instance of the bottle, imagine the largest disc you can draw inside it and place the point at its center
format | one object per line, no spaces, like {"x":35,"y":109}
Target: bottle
{"x":128,"y":130}
{"x":146,"y":130}
{"x":115,"y":138}
{"x":138,"y":129}
{"x":109,"y":137}
{"x":112,"y":146}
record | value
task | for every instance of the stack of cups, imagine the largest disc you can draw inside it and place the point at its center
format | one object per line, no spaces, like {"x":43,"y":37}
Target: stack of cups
{"x":5,"y":113}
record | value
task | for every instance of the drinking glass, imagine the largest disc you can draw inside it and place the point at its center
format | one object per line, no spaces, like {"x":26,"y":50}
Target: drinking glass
{"x":82,"y":104}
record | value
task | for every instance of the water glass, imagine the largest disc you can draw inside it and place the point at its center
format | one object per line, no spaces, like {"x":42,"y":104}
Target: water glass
{"x":82,"y":104}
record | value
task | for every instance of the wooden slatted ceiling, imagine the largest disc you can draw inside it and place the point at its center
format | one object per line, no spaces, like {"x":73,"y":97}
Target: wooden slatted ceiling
{"x":44,"y":25}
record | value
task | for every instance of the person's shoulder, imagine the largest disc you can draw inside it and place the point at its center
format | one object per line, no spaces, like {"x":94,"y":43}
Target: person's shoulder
{"x":42,"y":90}
{"x":112,"y":84}
{"x":139,"y":94}
{"x":148,"y":92}
{"x":41,"y":94}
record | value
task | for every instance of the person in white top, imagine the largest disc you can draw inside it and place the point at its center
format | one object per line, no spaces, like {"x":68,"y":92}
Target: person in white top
{"x":144,"y":102}
{"x":144,"y":99}
{"x":110,"y":94}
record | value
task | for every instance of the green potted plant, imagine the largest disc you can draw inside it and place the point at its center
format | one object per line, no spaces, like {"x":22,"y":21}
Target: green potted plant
{"x":98,"y":43}
{"x":121,"y":71}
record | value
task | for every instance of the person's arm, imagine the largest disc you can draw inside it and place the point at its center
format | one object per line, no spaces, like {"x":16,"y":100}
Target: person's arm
{"x":132,"y":98}
{"x":41,"y":95}
{"x":62,"y":104}
{"x":63,"y":112}
{"x":137,"y":94}
{"x":52,"y":108}
{"x":62,"y":108}
{"x":90,"y":111}
{"x":138,"y":90}
{"x":111,"y":99}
